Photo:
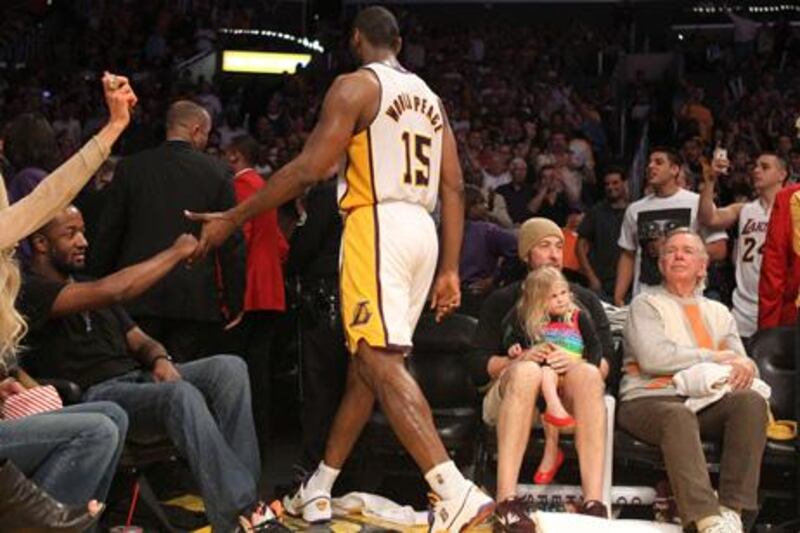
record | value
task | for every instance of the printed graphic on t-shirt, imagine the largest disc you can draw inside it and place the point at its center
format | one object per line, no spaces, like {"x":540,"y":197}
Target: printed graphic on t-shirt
{"x":651,"y":229}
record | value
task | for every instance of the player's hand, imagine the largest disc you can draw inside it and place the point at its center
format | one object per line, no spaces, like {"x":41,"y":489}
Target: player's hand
{"x":120,"y":99}
{"x":446,"y":294}
{"x":216,"y":228}
{"x":742,"y":373}
{"x":164,"y":371}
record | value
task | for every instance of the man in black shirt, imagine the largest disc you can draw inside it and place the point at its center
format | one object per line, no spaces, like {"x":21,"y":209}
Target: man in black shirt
{"x":78,"y":331}
{"x":510,"y":402}
{"x":598,"y":252}
{"x":143,"y":214}
{"x":518,"y":193}
{"x":314,"y":259}
{"x":550,"y":200}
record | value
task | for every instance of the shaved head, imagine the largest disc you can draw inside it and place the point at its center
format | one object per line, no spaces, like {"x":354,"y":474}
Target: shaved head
{"x":189,"y":122}
{"x":185,"y":113}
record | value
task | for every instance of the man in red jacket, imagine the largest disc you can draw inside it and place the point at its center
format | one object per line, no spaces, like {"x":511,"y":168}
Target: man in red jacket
{"x":780,"y":268}
{"x":264,"y":294}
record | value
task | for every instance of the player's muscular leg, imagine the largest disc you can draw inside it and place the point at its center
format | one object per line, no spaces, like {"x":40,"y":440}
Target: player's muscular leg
{"x":583,"y":396}
{"x":403,"y":404}
{"x":354,"y":411}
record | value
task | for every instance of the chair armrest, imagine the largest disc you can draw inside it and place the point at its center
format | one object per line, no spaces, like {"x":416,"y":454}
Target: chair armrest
{"x":69,"y":391}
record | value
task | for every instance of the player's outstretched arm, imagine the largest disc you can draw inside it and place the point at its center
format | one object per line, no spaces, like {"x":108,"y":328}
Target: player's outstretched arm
{"x":446,"y":291}
{"x":343,"y":106}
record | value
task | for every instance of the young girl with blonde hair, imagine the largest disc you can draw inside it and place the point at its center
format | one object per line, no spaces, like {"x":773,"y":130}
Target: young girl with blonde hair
{"x":547,"y":320}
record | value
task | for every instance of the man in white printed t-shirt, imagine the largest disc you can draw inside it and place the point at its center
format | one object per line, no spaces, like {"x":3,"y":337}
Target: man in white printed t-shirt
{"x":752,"y":219}
{"x":649,"y":220}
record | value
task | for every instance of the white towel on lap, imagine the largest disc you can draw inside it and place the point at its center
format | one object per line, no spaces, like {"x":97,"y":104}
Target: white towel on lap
{"x":705,"y":383}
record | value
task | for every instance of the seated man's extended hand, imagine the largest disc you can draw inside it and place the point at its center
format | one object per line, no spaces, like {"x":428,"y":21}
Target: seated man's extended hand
{"x":185,"y":245}
{"x":164,"y":371}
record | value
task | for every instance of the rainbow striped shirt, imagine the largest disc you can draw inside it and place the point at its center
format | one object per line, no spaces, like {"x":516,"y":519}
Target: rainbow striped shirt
{"x":563,"y":331}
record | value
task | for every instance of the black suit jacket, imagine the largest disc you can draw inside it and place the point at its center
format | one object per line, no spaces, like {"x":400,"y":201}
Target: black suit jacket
{"x":143,"y":215}
{"x":314,"y":247}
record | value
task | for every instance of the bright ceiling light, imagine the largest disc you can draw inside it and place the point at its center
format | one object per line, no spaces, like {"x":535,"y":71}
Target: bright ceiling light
{"x":262,"y":62}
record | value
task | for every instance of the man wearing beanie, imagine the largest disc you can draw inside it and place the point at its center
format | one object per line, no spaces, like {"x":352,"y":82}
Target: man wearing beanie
{"x":510,"y":402}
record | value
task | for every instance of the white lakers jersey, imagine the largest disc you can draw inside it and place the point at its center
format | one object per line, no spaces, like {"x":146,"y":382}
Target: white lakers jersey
{"x":753,"y":221}
{"x":398,"y":157}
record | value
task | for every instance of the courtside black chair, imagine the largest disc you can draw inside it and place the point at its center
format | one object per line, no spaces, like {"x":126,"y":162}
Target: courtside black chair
{"x":438,"y":362}
{"x":775,"y":353}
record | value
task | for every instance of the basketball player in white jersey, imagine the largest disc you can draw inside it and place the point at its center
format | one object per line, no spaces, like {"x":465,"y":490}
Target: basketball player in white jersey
{"x":398,"y":156}
{"x":752,"y":217}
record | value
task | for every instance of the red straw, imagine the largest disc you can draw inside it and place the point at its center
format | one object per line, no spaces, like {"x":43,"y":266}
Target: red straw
{"x":133,"y":505}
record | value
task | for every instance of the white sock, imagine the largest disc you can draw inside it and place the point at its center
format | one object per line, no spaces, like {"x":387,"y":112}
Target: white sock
{"x":446,"y":480}
{"x":323,"y":478}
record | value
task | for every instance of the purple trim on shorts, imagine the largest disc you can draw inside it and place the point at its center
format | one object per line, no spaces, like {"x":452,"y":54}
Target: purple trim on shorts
{"x":377,"y":238}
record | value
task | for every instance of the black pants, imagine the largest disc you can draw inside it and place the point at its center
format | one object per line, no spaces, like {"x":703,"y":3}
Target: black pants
{"x":253,"y":339}
{"x":324,"y":360}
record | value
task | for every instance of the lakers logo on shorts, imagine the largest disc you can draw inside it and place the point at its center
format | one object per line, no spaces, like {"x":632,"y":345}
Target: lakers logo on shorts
{"x":361,"y":314}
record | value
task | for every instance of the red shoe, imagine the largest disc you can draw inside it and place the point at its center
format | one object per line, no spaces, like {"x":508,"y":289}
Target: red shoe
{"x":545,"y":477}
{"x":559,"y":421}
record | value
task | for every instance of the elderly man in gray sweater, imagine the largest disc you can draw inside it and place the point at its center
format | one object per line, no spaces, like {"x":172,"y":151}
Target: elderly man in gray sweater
{"x":671,"y":330}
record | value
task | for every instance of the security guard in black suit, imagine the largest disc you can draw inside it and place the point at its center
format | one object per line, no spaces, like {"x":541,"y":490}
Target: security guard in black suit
{"x":314,"y":261}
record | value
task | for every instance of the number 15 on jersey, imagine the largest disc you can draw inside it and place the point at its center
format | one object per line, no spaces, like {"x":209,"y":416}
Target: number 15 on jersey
{"x":418,"y":159}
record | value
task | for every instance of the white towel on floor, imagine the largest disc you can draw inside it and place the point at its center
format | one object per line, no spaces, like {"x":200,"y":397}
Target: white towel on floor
{"x":374,"y":506}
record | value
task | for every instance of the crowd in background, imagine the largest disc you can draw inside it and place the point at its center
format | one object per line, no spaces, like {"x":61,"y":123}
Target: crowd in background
{"x":539,"y":121}
{"x":545,"y":125}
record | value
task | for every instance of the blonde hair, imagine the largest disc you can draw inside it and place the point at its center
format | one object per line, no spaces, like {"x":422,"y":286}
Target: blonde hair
{"x":12,"y":325}
{"x":532,"y":307}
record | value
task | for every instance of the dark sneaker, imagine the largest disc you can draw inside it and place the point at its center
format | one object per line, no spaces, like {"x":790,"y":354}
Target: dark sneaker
{"x":516,"y":515}
{"x":594,"y":508}
{"x":261,"y":519}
